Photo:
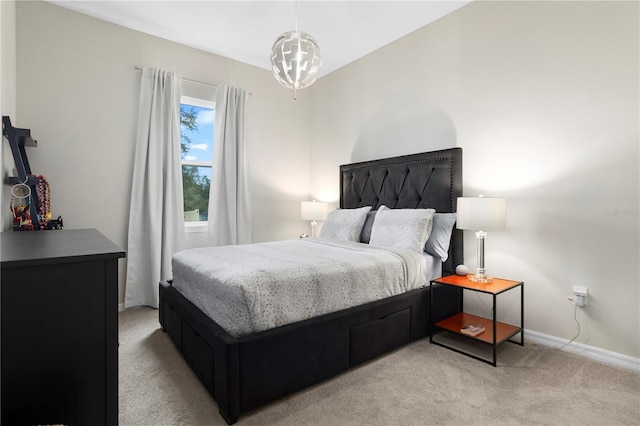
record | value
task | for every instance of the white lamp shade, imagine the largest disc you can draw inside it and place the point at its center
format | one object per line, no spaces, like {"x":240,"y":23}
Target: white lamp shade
{"x":313,"y":210}
{"x":481,"y":213}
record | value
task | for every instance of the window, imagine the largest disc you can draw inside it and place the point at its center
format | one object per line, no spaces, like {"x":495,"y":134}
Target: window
{"x":196,"y":145}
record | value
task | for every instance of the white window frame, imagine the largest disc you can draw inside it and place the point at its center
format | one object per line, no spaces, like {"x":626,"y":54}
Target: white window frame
{"x":200,"y":226}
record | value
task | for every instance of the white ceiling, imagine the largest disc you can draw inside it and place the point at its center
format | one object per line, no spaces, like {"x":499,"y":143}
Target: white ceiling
{"x":245,"y":30}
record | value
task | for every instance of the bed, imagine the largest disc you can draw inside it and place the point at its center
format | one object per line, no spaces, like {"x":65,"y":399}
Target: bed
{"x":244,"y":370}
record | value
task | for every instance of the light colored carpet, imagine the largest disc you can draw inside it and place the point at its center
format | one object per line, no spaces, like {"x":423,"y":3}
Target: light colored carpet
{"x":420,"y":384}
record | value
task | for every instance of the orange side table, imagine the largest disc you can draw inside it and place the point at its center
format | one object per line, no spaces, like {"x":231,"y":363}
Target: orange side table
{"x":496,"y":332}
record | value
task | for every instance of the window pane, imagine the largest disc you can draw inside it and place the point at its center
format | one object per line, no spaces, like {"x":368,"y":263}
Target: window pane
{"x":196,"y":143}
{"x":196,"y":133}
{"x":196,"y":181}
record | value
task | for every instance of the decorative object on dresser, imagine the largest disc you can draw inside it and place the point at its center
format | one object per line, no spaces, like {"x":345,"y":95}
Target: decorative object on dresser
{"x":313,"y":211}
{"x":30,"y":194}
{"x":59,"y":328}
{"x":243,"y":372}
{"x":20,"y":206}
{"x":481,"y":214}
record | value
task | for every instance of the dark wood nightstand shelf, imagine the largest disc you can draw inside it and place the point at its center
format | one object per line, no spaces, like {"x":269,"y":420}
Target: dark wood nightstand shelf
{"x":496,"y":332}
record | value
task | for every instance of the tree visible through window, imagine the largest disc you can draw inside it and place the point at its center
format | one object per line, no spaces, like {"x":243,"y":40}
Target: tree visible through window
{"x":196,"y":145}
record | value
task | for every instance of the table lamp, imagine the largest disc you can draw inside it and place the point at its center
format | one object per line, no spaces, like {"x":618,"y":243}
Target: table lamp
{"x":313,"y":211}
{"x":481,"y":214}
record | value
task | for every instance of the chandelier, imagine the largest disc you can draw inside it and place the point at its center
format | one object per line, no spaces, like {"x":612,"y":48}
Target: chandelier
{"x":295,"y":59}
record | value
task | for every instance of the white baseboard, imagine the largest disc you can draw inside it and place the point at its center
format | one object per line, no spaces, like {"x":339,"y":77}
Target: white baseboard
{"x":602,"y":355}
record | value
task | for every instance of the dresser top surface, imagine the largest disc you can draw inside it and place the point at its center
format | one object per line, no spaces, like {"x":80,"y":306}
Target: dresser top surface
{"x":56,"y":246}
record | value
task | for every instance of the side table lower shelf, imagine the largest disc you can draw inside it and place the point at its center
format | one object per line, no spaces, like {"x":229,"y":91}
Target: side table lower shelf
{"x":495,"y":332}
{"x":503,"y":331}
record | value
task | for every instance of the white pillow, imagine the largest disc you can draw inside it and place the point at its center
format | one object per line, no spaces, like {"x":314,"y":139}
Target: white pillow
{"x":344,"y":224}
{"x":440,"y":237}
{"x":402,"y":228}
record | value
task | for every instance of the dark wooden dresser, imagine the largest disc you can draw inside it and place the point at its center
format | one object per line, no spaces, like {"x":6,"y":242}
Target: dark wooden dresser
{"x":59,"y":328}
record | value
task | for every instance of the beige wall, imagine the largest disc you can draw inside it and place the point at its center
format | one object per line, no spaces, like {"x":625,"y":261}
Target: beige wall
{"x":543,"y":99}
{"x":77,"y":90}
{"x":7,"y":57}
{"x":7,"y":94}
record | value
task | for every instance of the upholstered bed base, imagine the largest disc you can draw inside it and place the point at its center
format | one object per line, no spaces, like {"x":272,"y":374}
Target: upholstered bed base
{"x":246,"y":372}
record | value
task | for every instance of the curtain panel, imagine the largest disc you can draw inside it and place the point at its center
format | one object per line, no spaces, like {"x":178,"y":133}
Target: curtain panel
{"x":156,"y":223}
{"x":229,"y":202}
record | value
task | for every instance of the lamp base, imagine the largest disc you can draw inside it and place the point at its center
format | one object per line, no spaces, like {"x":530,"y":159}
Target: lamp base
{"x":479,"y":278}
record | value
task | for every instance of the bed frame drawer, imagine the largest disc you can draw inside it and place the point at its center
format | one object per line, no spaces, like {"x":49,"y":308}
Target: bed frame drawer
{"x":374,"y":338}
{"x":172,"y":323}
{"x":195,"y":350}
{"x":199,"y":355}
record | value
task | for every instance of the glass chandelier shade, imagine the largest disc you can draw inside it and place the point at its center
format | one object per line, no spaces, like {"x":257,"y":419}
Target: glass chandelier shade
{"x":295,"y":60}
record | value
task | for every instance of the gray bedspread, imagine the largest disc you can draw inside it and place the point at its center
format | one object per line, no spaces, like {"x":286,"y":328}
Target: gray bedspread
{"x":254,"y":287}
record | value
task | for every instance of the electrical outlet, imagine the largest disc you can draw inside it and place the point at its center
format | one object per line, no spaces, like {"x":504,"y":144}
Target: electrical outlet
{"x":580,"y":295}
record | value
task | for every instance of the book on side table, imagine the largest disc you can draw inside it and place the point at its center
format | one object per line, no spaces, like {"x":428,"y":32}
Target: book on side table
{"x":472,"y":329}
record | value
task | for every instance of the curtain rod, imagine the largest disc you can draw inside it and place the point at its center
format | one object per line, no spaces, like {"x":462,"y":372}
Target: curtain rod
{"x":139,"y":68}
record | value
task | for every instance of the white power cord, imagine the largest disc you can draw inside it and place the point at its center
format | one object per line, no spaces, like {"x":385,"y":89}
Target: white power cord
{"x":575,"y":317}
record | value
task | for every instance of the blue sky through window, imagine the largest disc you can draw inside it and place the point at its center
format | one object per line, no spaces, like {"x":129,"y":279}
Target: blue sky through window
{"x":201,"y":147}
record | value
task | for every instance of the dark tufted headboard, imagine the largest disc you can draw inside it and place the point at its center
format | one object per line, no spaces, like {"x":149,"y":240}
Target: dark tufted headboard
{"x":426,"y":180}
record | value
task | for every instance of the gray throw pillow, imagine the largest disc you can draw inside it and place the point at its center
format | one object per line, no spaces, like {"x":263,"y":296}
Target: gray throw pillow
{"x":440,"y":237}
{"x":365,"y":235}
